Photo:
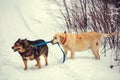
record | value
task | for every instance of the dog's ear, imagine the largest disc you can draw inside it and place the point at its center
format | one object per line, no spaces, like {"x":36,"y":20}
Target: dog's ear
{"x":19,"y":39}
{"x":61,"y":38}
{"x":65,"y":32}
{"x":25,"y":41}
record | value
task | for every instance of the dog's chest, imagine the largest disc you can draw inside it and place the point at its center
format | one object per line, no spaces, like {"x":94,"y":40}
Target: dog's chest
{"x":29,"y":57}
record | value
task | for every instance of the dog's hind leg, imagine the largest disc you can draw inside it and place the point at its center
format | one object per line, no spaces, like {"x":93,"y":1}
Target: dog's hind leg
{"x":95,"y":50}
{"x":38,"y":62}
{"x":45,"y":57}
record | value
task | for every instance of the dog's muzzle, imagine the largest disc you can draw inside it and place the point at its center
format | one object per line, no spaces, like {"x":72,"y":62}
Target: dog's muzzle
{"x":52,"y":42}
{"x":15,"y":49}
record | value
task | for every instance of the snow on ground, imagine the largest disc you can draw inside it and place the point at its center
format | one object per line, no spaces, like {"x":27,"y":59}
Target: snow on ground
{"x":31,"y":19}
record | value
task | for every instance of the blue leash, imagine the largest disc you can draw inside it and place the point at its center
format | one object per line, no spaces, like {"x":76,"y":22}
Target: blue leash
{"x":43,"y":43}
{"x":64,"y":57}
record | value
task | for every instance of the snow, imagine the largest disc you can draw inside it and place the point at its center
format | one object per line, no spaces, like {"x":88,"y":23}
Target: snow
{"x":31,"y":19}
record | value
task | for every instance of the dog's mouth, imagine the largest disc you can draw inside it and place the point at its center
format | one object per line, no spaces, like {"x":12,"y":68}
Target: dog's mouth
{"x":52,"y":42}
{"x":15,"y":49}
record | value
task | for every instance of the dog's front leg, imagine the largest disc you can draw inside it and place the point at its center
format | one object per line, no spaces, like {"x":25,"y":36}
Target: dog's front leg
{"x":25,"y":63}
{"x":72,"y":54}
{"x":65,"y":50}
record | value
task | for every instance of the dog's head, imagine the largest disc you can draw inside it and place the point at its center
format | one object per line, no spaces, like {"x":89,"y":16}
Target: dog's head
{"x":59,"y":38}
{"x":20,"y":45}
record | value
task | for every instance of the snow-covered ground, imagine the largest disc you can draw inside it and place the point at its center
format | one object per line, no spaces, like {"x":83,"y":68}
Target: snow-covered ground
{"x":31,"y":19}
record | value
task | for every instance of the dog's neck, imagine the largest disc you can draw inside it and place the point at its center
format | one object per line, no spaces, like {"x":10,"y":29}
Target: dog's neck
{"x":64,"y":40}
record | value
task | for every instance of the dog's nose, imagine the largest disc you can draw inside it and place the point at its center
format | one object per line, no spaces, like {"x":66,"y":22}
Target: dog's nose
{"x":51,"y":41}
{"x":12,"y":47}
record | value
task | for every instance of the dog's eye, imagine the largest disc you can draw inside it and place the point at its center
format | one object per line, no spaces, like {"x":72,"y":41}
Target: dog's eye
{"x":55,"y":37}
{"x":16,"y":44}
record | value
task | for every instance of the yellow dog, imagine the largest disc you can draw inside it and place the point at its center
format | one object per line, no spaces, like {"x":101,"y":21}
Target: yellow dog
{"x":80,"y":42}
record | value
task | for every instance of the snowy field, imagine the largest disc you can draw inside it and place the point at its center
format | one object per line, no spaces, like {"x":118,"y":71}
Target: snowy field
{"x":31,"y":19}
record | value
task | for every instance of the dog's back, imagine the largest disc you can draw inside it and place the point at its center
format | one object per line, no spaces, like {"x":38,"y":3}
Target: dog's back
{"x":41,"y":49}
{"x":36,"y":41}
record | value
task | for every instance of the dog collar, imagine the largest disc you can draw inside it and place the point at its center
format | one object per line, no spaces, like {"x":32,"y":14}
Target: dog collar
{"x":64,"y":40}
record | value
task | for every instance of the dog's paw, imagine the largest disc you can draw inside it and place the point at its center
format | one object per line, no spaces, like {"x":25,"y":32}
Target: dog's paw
{"x":46,"y":64}
{"x":25,"y":68}
{"x":36,"y":64}
{"x":98,"y":58}
{"x":39,"y":67}
{"x":72,"y":58}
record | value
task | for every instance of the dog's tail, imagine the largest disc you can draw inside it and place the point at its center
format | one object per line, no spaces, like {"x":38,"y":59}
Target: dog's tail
{"x":108,"y":35}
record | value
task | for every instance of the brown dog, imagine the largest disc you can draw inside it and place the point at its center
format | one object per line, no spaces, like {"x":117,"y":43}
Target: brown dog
{"x":28,"y":51}
{"x":79,"y":42}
